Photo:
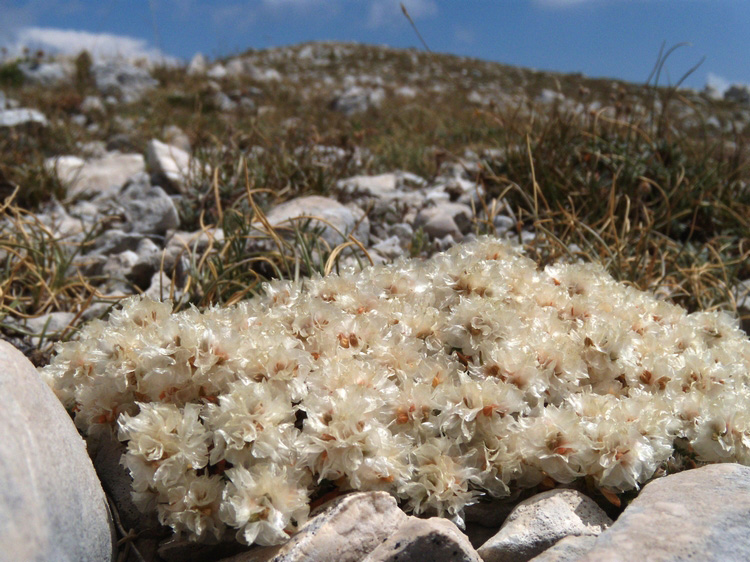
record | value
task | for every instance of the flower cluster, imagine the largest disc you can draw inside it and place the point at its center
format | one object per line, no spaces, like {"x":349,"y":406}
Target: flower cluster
{"x":438,"y":381}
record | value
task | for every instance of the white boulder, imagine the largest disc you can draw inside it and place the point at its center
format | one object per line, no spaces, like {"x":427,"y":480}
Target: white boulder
{"x":52,"y":506}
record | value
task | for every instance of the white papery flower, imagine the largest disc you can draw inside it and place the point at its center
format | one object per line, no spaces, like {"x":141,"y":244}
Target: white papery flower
{"x":346,"y":428}
{"x":440,"y":380}
{"x":264,"y":502}
{"x":172,"y":440}
{"x":242,"y":413}
{"x":554,"y":443}
{"x":625,"y":457}
{"x":722,"y":431}
{"x":193,"y":506}
{"x":442,"y":479}
{"x":280,"y":444}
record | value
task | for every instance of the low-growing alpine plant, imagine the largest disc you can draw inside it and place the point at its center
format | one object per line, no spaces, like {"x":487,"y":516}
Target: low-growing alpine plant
{"x":472,"y":373}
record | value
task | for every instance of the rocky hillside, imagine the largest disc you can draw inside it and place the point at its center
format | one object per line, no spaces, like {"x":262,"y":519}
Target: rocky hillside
{"x":197,"y":183}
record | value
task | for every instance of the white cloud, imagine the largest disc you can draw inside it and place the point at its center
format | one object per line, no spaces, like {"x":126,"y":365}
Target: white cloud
{"x":384,"y":12}
{"x":70,"y":41}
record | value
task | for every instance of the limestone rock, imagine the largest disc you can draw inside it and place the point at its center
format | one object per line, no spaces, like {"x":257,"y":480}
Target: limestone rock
{"x":198,"y":65}
{"x":137,"y":267}
{"x":237,"y":67}
{"x":460,"y":190}
{"x":224,"y":102}
{"x":41,"y":329}
{"x":503,"y":224}
{"x":182,"y":244}
{"x":346,"y":530}
{"x":148,"y":209}
{"x":106,"y":452}
{"x":390,"y":248}
{"x":443,"y":214}
{"x":21,"y":116}
{"x":406,"y":92}
{"x":550,"y":96}
{"x":61,"y":223}
{"x":388,"y":196}
{"x":540,"y":521}
{"x":123,"y":80}
{"x":337,"y":220}
{"x":700,"y":514}
{"x":92,"y":105}
{"x":441,"y":226}
{"x":52,"y":506}
{"x":569,"y":549}
{"x":98,"y":176}
{"x":52,"y":324}
{"x":383,"y":186}
{"x":357,"y":99}
{"x":217,"y":71}
{"x":425,"y":540}
{"x":402,"y":230}
{"x":47,"y":74}
{"x":114,"y":241}
{"x":175,"y":136}
{"x":172,"y":164}
{"x":148,"y":262}
{"x":197,"y":241}
{"x":160,"y":287}
{"x":483,"y":519}
{"x":264,"y":74}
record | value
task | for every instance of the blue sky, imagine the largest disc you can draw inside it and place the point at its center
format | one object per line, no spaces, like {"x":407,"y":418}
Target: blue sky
{"x":615,"y":38}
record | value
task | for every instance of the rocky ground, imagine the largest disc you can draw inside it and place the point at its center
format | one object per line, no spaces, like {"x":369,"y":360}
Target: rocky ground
{"x":196,"y":184}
